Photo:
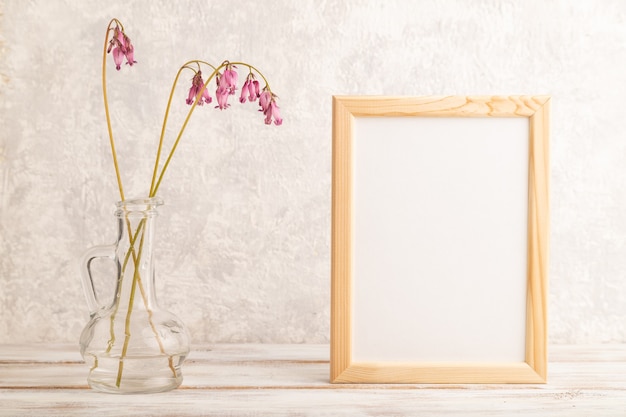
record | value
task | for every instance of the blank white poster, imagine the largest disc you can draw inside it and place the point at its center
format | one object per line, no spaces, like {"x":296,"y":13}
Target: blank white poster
{"x":439,"y":257}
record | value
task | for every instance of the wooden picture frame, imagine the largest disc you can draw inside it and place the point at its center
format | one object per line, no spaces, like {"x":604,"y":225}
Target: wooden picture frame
{"x":379,"y":334}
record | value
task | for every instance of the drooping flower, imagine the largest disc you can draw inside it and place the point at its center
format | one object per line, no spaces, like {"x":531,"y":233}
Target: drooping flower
{"x":244,"y":91}
{"x":250,"y":89}
{"x":130,"y":51}
{"x":122,"y":47}
{"x":197,"y":84}
{"x":253,"y":89}
{"x":273,"y":112}
{"x":116,"y":44}
{"x":222,"y":92}
{"x":264,"y":100}
{"x":226,"y":85}
{"x":269,"y":108}
{"x":222,"y":98}
{"x":229,"y":80}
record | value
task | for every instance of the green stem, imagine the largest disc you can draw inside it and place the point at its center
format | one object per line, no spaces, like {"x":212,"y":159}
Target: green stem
{"x":155,"y":186}
{"x":130,"y":309}
{"x":106,"y":106}
{"x":137,"y":282}
{"x":154,"y":189}
{"x":267,"y":84}
{"x":130,"y":252}
{"x":167,"y":112}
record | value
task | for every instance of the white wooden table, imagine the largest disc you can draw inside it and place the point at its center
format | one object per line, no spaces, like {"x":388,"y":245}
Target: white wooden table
{"x":292,"y":380}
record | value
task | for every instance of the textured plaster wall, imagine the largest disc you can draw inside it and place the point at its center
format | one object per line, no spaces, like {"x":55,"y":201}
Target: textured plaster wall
{"x":244,"y":236}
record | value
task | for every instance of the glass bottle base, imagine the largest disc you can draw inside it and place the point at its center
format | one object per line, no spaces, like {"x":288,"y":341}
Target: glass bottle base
{"x":139,"y":375}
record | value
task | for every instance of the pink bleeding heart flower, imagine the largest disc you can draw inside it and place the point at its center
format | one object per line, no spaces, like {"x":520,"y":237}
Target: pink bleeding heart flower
{"x":273,"y":112}
{"x":229,"y":79}
{"x":122,"y":47}
{"x":130,"y":51}
{"x":264,"y":100}
{"x":269,"y":108}
{"x":222,"y":92}
{"x":222,"y":98}
{"x":253,"y":89}
{"x":250,"y":89}
{"x":244,"y":91}
{"x":197,"y":84}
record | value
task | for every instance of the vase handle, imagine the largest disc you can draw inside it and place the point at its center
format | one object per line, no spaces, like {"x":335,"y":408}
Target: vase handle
{"x":103,"y":251}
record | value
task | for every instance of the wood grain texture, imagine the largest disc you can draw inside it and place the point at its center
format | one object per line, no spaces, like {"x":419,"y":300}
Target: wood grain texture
{"x":341,"y":231}
{"x":345,"y":109}
{"x":291,"y":380}
{"x":440,"y":373}
{"x":443,"y":106}
{"x":538,"y":235}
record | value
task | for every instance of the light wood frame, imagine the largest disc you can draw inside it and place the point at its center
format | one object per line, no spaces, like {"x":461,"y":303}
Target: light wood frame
{"x":534,"y":369}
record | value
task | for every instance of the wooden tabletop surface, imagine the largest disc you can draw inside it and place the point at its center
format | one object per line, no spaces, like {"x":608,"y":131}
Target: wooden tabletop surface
{"x":293,"y":380}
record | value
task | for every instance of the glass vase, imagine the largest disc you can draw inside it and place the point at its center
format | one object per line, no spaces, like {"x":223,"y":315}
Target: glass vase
{"x":130,"y":344}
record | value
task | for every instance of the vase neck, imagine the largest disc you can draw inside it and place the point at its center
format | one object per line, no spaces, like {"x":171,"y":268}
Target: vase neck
{"x":135,"y":247}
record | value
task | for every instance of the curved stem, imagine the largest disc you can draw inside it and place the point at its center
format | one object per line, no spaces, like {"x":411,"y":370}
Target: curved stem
{"x":118,"y":23}
{"x":154,"y":188}
{"x":256,"y":70}
{"x":167,"y":112}
{"x":106,"y":106}
{"x":207,"y":64}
